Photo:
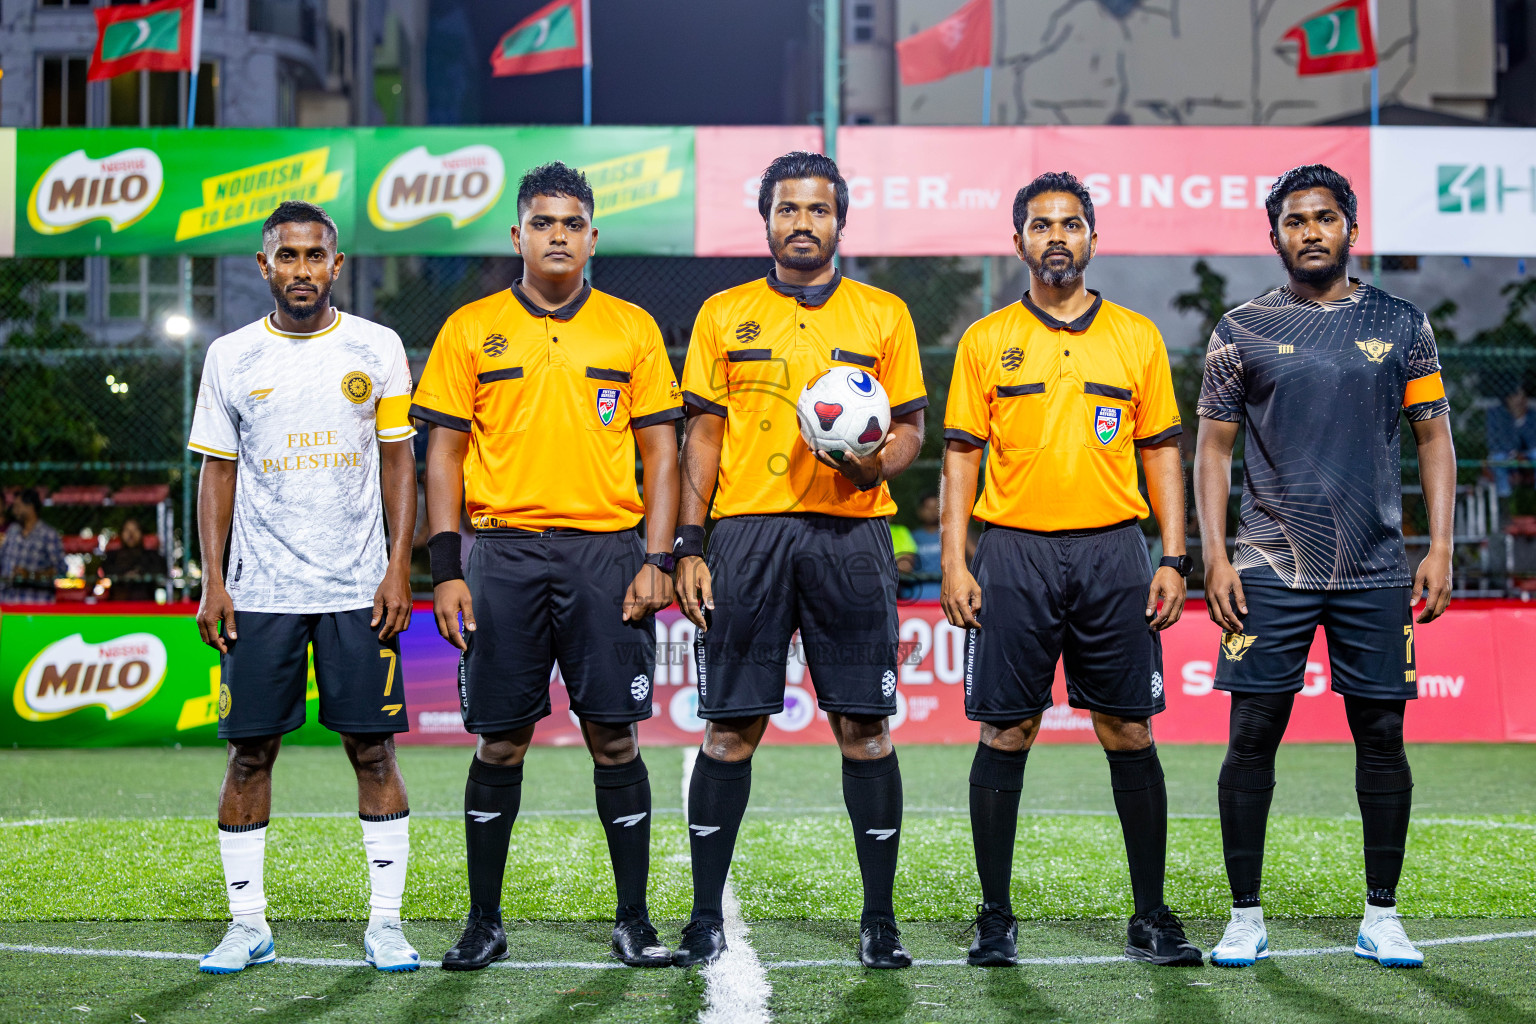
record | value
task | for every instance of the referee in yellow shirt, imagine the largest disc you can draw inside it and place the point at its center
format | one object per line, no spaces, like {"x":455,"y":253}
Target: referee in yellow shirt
{"x":537,"y":396}
{"x":801,"y":542}
{"x":1062,"y":389}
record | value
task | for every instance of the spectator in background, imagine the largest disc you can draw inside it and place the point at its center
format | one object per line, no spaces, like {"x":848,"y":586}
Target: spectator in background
{"x":1511,"y":435}
{"x":135,"y":571}
{"x":32,"y":556}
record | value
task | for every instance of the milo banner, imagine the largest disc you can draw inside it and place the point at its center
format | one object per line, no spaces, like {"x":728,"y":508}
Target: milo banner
{"x":122,"y":680}
{"x":83,"y":191}
{"x":443,"y":191}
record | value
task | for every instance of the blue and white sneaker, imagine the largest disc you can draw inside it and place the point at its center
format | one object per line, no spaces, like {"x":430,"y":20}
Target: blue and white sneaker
{"x":243,"y":945}
{"x":1382,"y":939}
{"x":384,"y":947}
{"x":1246,"y":940}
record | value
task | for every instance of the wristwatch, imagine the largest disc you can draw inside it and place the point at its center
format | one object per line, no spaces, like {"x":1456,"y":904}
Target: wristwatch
{"x":1181,"y":564}
{"x":662,"y":560}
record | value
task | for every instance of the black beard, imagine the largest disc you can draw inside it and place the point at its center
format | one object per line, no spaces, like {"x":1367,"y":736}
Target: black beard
{"x":1316,"y":276}
{"x":815,"y":261}
{"x":322,"y":296}
{"x":1057,"y":278}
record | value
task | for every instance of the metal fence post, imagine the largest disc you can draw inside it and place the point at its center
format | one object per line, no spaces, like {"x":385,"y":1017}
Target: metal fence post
{"x":186,"y":429}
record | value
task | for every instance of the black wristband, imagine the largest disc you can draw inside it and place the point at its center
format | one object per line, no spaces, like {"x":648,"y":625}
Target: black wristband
{"x":689,"y":542}
{"x":445,"y":551}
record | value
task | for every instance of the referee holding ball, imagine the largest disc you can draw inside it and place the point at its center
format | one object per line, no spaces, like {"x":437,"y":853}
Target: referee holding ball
{"x":1063,"y":389}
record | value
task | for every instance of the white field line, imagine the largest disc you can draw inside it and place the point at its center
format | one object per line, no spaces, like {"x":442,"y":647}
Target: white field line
{"x":772,"y":965}
{"x":736,"y":986}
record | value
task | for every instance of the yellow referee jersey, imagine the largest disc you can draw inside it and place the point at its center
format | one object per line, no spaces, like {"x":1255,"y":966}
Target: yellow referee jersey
{"x":754,"y":347}
{"x":550,"y":400}
{"x":1063,"y":407}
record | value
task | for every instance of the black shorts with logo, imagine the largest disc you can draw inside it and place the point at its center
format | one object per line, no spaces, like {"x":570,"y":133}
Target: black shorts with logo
{"x":265,"y":675}
{"x":554,"y":596}
{"x":1077,"y":594}
{"x":1370,"y":641}
{"x":831,"y":577}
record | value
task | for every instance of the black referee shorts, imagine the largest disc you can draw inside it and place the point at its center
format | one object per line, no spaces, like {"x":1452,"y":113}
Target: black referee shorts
{"x":831,"y":577}
{"x":554,"y":596}
{"x":1370,"y":641}
{"x":264,"y":677}
{"x":1081,"y":595}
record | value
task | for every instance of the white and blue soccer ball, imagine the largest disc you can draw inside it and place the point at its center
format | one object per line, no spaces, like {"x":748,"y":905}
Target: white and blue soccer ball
{"x":844,"y":410}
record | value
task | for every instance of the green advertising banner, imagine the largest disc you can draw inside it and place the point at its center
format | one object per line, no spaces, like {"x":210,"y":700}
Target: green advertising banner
{"x":415,"y":191}
{"x":85,"y":191}
{"x":114,"y":681}
{"x":445,"y":191}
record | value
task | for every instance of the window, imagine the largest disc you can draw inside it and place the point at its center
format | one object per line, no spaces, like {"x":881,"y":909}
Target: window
{"x":71,"y":289}
{"x":148,"y":288}
{"x":863,"y":23}
{"x":62,"y":97}
{"x":63,"y":3}
{"x":147,"y":99}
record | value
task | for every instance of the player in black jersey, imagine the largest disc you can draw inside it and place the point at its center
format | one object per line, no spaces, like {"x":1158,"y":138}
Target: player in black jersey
{"x":1319,"y":372}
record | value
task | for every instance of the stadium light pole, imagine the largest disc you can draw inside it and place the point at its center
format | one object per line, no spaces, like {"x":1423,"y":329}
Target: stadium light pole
{"x":831,"y":74}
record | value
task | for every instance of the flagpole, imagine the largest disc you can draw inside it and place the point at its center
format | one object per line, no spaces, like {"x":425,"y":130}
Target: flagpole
{"x":197,"y":57}
{"x":586,"y":62}
{"x":1375,"y":122}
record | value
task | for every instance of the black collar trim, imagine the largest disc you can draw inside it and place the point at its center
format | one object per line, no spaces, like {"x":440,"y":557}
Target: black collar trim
{"x":1077,"y":326}
{"x":565,"y":312}
{"x":805,"y":295}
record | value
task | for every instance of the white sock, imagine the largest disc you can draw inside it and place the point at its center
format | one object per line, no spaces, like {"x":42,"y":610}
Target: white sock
{"x":387,"y":844}
{"x":243,"y":849}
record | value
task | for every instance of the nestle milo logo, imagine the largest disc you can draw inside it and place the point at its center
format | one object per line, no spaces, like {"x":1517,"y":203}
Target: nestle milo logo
{"x":1465,"y":188}
{"x":77,"y":189}
{"x":69,"y":674}
{"x":416,"y":186}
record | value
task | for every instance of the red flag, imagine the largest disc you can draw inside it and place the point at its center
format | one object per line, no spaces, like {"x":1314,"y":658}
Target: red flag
{"x":958,"y":43}
{"x":551,"y":38}
{"x":160,"y":36}
{"x":1340,"y":38}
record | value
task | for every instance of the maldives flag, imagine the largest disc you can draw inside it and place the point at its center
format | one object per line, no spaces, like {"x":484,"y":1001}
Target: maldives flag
{"x":1340,"y":38}
{"x":160,"y":36}
{"x":958,"y":43}
{"x":551,"y":38}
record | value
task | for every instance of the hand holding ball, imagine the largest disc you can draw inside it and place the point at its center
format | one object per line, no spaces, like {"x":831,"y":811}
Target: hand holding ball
{"x":844,"y":411}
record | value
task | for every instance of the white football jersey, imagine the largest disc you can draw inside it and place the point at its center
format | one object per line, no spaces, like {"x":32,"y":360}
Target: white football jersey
{"x":300,"y":413}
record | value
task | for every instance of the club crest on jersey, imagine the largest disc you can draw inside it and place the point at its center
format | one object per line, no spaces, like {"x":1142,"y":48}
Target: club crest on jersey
{"x":1013,"y":358}
{"x":357,"y":386}
{"x":1235,"y":645}
{"x":862,"y":384}
{"x":1106,"y":423}
{"x":607,"y":404}
{"x":494,"y":345}
{"x":748,"y":331}
{"x":1374,"y":348}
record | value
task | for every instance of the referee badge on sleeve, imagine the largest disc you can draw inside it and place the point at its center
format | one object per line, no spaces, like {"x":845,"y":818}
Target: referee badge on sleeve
{"x":1106,"y":423}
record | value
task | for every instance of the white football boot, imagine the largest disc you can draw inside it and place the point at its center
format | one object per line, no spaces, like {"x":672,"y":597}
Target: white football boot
{"x":242,"y":946}
{"x":1382,"y":939}
{"x":384,"y":947}
{"x":1246,"y":940}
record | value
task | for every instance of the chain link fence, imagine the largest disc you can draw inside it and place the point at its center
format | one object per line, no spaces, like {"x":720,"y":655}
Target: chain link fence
{"x":92,"y":399}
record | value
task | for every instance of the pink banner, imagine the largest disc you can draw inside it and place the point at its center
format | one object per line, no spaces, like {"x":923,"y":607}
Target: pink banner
{"x":1476,"y":683}
{"x":949,"y":191}
{"x":729,"y":164}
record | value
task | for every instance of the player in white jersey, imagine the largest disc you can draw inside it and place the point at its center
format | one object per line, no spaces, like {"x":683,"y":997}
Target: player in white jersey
{"x":299,"y":416}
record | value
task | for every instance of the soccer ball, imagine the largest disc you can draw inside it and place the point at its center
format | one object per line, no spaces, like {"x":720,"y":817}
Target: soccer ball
{"x":844,"y":411}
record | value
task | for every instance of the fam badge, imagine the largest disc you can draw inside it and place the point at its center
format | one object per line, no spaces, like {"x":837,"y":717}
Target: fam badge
{"x":607,"y":404}
{"x":1106,"y":423}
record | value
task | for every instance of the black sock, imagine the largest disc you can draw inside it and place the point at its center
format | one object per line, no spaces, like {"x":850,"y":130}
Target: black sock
{"x":1385,"y":802}
{"x":717,"y":799}
{"x":624,"y":805}
{"x":491,"y":799}
{"x":1141,"y":799}
{"x":872,"y":793}
{"x":997,"y":777}
{"x":1244,"y":797}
